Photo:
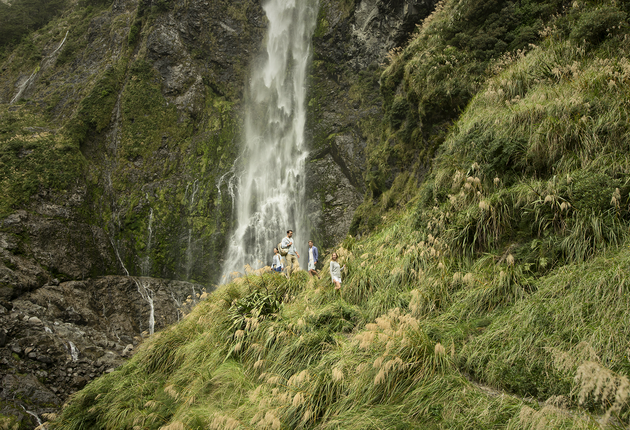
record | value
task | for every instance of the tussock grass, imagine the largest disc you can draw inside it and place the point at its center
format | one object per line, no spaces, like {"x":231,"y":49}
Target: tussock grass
{"x":327,"y":362}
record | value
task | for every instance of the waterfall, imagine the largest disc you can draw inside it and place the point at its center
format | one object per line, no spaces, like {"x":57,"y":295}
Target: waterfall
{"x":271,"y":180}
{"x":147,"y":295}
{"x":33,"y":414}
{"x":74,"y":351}
{"x":145,"y":264}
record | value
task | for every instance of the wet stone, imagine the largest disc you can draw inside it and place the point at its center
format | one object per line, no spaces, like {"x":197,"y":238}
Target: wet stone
{"x":35,"y":321}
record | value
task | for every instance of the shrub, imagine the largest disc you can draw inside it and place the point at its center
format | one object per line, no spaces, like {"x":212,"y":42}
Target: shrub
{"x":593,"y":27}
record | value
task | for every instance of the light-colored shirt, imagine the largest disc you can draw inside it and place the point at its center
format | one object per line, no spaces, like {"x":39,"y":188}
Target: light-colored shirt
{"x":288,"y":244}
{"x":335,"y":269}
{"x":311,"y":259}
{"x":276,"y":261}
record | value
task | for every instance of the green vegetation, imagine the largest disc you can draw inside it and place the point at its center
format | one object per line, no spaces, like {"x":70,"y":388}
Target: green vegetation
{"x":26,"y":151}
{"x":21,"y":17}
{"x":390,"y":352}
{"x":490,"y":286}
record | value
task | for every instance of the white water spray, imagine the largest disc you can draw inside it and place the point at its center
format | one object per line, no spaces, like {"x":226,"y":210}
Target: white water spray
{"x":271,"y":186}
{"x":145,"y":264}
{"x":34,"y":415}
{"x":74,"y":351}
{"x":147,"y":294}
{"x":145,"y":269}
{"x":46,"y":62}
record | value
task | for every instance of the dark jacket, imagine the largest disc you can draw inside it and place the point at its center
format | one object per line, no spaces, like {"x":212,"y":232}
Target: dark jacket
{"x":315,"y":254}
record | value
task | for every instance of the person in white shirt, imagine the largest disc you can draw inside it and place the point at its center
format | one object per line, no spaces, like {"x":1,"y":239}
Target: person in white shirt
{"x":277,"y":261}
{"x":293,"y":255}
{"x":335,"y":271}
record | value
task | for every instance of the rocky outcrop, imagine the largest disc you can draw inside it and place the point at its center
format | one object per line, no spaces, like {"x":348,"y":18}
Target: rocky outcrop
{"x":59,"y":337}
{"x":378,"y":26}
{"x":50,"y":242}
{"x":153,"y":93}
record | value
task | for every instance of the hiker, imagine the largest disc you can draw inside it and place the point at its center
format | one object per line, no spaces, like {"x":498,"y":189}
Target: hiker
{"x":277,"y":261}
{"x":292,"y":254}
{"x":335,"y":271}
{"x":313,"y":256}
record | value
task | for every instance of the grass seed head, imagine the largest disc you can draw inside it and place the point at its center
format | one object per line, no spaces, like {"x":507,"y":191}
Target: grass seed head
{"x":308,"y":414}
{"x":177,"y":425}
{"x":298,"y":400}
{"x":378,"y":363}
{"x":510,"y":260}
{"x":273,"y":379}
{"x":468,"y":279}
{"x":362,"y":368}
{"x":380,"y":377}
{"x":439,"y":349}
{"x":171,"y":391}
{"x":337,"y":374}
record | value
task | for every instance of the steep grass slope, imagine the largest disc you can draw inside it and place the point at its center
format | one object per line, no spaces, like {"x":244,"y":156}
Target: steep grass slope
{"x":496,"y":298}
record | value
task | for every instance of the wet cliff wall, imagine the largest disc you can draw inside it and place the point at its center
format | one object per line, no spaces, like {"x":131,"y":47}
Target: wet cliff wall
{"x":116,"y":133}
{"x":351,"y":45}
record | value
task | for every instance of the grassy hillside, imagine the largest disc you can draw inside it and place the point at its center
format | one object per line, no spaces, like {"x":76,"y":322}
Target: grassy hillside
{"x":496,"y":297}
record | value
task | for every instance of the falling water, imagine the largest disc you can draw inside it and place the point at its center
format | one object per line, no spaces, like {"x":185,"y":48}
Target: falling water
{"x":147,"y":294}
{"x":74,"y":351}
{"x":33,"y":414}
{"x":145,"y":268}
{"x":271,"y":184}
{"x":145,"y":264}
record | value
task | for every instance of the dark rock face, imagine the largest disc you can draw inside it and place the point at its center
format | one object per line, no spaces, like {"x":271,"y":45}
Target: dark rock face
{"x":379,"y":26}
{"x":59,"y":337}
{"x":345,"y":102}
{"x":58,"y":243}
{"x":158,"y":122}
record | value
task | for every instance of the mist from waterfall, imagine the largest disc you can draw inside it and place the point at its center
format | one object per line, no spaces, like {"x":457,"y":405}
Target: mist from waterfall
{"x":271,"y":179}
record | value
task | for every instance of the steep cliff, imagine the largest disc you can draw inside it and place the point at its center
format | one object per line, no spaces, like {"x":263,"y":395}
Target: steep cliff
{"x":123,"y":127}
{"x":351,"y":44}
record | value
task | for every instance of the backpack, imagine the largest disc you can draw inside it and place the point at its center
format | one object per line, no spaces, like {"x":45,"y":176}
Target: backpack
{"x":282,"y":251}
